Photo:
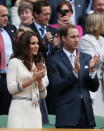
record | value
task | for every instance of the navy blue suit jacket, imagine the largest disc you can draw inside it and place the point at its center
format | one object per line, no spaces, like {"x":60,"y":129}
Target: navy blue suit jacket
{"x":11,"y":30}
{"x":44,"y":47}
{"x":67,"y":89}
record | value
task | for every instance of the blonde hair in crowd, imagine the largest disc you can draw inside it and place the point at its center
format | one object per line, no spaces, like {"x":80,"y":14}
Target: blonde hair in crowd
{"x":94,"y":23}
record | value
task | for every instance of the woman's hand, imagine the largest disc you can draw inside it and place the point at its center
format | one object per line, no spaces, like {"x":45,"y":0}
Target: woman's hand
{"x":39,"y":73}
{"x":37,"y":76}
{"x":65,"y":20}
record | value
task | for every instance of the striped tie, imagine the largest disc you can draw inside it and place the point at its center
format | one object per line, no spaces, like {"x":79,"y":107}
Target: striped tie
{"x":42,"y":31}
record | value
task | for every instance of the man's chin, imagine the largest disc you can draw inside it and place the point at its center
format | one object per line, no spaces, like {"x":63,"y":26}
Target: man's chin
{"x":4,"y":24}
{"x":76,"y":48}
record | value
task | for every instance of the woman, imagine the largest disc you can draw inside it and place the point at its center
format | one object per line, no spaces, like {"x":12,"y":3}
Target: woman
{"x":65,"y":12}
{"x":93,"y":43}
{"x":27,"y":81}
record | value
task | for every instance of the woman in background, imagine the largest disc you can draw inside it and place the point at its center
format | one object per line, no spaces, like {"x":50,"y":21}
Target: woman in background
{"x":64,"y":13}
{"x":26,"y":81}
{"x":93,"y":43}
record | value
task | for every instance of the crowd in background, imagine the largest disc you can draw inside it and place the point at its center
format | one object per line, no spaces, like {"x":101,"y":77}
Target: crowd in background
{"x":51,"y":62}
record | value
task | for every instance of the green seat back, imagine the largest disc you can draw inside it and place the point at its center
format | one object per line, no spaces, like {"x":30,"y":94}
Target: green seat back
{"x":3,"y":121}
{"x":51,"y":124}
{"x":99,"y":122}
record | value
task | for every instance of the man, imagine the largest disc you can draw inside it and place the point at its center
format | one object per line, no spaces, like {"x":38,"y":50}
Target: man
{"x":7,"y":33}
{"x":71,"y":80}
{"x":42,"y":13}
{"x":98,"y":6}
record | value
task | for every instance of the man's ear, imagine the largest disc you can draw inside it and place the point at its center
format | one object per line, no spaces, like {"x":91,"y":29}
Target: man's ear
{"x":35,"y":15}
{"x":63,"y":38}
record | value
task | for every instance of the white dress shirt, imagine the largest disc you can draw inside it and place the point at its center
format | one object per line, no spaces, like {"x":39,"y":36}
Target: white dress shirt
{"x":8,"y":48}
{"x":38,"y":28}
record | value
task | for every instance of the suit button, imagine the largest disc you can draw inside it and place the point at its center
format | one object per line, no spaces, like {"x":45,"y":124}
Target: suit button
{"x":79,"y":6}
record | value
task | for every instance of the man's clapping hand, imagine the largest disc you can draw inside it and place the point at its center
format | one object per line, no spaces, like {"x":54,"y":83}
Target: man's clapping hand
{"x":93,"y":63}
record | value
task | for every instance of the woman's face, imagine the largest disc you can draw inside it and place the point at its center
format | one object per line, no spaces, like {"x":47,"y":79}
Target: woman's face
{"x":34,"y":45}
{"x":68,"y":10}
{"x":26,"y":17}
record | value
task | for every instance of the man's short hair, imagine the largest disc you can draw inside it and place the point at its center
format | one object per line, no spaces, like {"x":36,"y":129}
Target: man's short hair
{"x":64,"y":30}
{"x":25,"y":5}
{"x":37,"y":6}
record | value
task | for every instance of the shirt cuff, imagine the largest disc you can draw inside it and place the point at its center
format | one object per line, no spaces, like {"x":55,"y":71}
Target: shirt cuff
{"x":76,"y":74}
{"x":92,"y":74}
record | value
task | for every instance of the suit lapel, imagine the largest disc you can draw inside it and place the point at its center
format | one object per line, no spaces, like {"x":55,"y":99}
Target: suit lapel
{"x":33,"y":27}
{"x":66,"y":60}
{"x":11,"y":30}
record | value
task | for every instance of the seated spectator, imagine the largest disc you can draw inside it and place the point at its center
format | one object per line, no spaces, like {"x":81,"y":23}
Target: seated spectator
{"x":15,"y":19}
{"x":25,"y":11}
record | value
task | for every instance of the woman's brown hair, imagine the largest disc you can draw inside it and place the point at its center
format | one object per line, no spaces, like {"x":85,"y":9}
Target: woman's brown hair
{"x":22,"y":50}
{"x":64,"y":2}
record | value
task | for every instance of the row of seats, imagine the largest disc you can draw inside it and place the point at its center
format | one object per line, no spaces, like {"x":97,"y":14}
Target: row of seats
{"x":99,"y":122}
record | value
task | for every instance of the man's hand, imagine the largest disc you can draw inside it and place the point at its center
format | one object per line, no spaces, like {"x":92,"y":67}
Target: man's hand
{"x":48,"y":37}
{"x":76,"y":64}
{"x":93,"y":62}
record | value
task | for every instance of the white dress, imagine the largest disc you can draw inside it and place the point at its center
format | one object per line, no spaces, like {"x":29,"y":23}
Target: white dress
{"x":24,"y":110}
{"x":90,"y":45}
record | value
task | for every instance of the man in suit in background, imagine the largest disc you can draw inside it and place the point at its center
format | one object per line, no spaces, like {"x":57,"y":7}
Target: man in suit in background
{"x":42,"y":13}
{"x":71,"y":76}
{"x":7,"y":46}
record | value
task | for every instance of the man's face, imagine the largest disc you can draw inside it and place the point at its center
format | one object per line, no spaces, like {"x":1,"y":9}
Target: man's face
{"x":3,"y":16}
{"x":26,"y":16}
{"x":71,"y":40}
{"x":99,"y":6}
{"x":44,"y":17}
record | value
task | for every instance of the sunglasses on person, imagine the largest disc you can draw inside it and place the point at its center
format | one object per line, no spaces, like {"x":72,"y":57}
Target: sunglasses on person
{"x":63,"y":12}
